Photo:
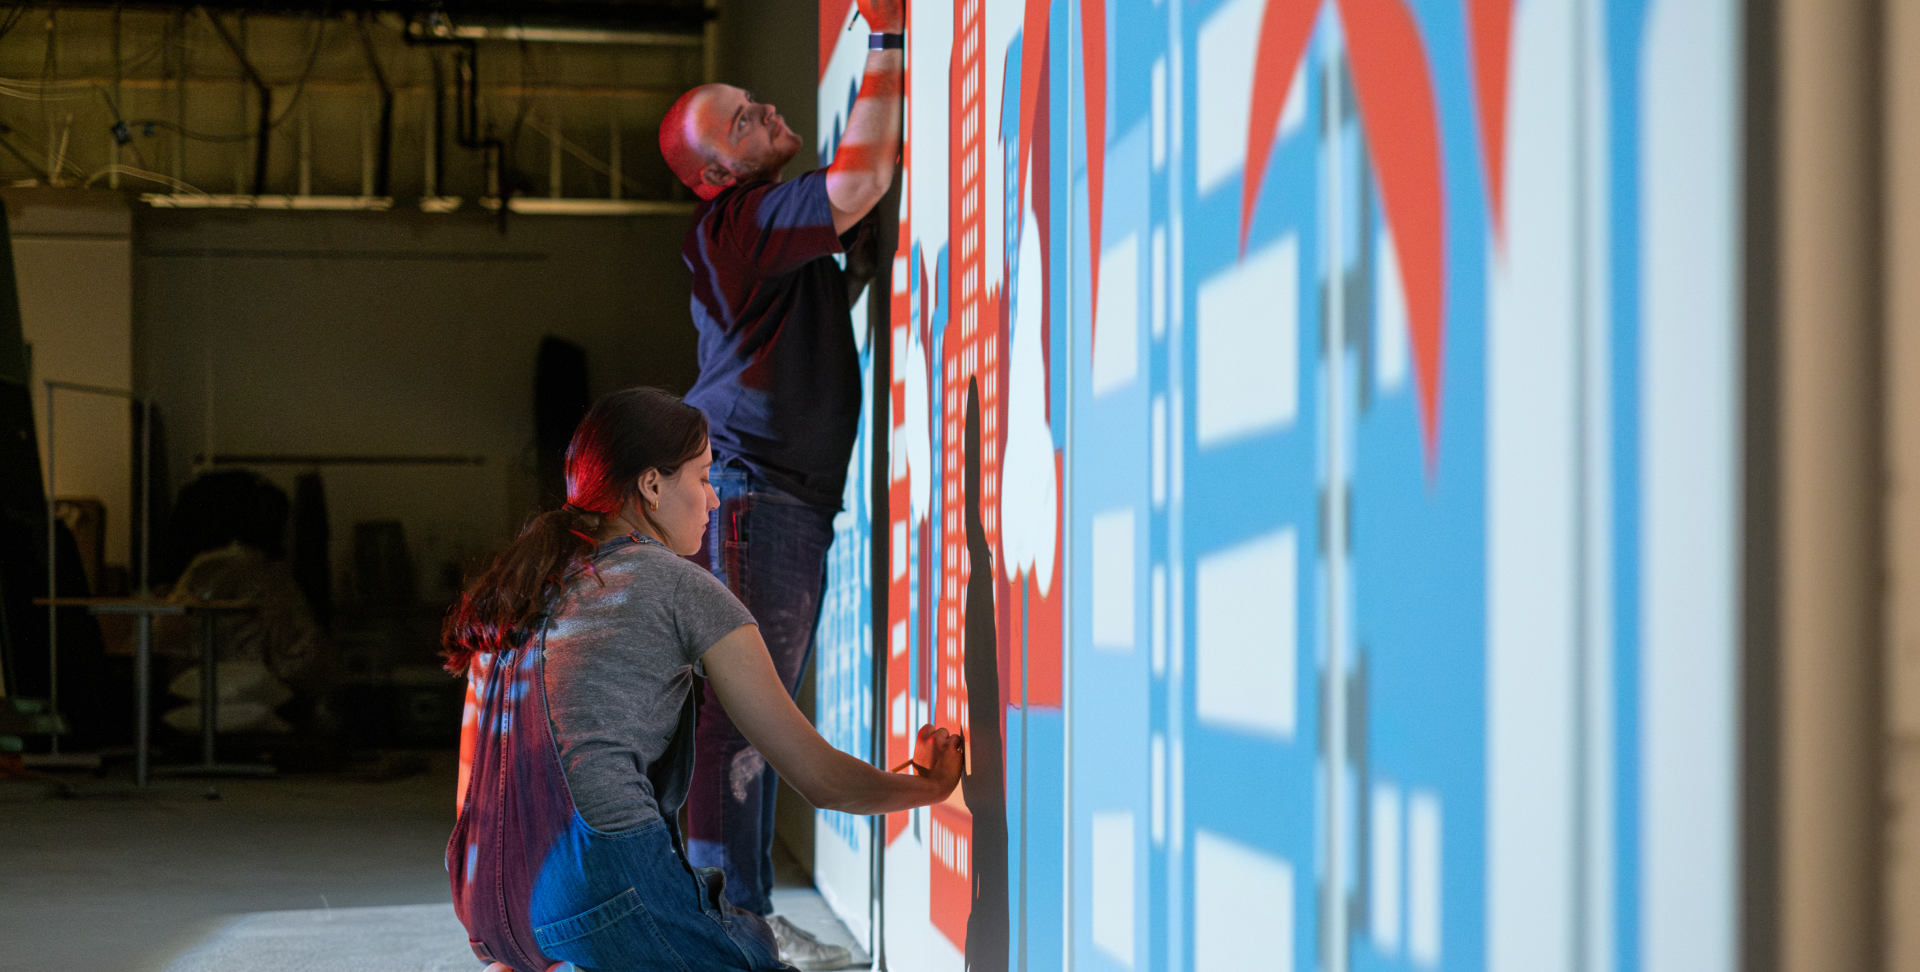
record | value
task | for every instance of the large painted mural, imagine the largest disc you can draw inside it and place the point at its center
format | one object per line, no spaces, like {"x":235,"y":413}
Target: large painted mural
{"x":1312,"y":486}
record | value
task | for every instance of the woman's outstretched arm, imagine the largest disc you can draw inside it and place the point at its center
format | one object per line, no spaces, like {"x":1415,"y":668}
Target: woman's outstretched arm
{"x":743,"y":677}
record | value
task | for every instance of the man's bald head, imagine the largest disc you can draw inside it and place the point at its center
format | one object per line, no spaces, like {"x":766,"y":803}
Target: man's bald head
{"x":716,"y":135}
{"x":683,"y":154}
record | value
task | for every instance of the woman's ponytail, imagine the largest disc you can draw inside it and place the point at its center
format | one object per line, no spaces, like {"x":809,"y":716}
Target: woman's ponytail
{"x":509,"y":593}
{"x":622,"y":436}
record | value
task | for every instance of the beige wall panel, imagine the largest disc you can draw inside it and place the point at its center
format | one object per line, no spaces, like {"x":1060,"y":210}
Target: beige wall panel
{"x":72,"y":257}
{"x":398,"y":333}
{"x":1829,"y":540}
{"x":1902,"y":233}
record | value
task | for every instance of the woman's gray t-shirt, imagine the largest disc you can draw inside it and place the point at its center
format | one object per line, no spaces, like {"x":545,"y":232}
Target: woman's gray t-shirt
{"x":622,"y":647}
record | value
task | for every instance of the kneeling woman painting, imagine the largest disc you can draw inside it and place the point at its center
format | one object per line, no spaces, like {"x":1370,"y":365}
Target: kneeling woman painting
{"x":581,"y":642}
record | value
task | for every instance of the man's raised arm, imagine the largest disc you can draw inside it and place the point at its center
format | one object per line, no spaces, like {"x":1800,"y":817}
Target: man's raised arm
{"x":862,"y":167}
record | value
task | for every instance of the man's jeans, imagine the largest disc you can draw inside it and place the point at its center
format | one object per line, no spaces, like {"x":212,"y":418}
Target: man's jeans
{"x":770,"y":549}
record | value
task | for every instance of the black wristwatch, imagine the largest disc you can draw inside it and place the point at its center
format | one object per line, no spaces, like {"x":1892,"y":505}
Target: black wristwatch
{"x":886,"y":42}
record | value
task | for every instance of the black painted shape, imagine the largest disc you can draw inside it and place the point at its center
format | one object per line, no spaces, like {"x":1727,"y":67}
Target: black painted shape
{"x":985,"y":787}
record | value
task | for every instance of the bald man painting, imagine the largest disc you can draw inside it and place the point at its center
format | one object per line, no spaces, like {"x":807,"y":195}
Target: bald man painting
{"x":780,"y":385}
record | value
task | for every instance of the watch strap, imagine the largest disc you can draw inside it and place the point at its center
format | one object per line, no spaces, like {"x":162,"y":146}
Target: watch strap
{"x":886,"y":42}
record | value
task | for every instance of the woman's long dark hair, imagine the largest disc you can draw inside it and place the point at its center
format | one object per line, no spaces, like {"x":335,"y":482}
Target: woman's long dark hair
{"x":622,"y":436}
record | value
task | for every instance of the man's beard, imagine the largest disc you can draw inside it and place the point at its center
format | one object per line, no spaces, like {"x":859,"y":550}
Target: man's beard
{"x":766,"y":167}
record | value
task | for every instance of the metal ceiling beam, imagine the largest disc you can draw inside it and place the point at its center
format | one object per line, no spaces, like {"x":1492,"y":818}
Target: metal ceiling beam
{"x":662,"y":21}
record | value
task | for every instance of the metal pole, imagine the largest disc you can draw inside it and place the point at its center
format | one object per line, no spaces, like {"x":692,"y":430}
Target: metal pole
{"x":614,"y":167}
{"x":53,"y":582}
{"x":179,"y":43}
{"x":305,"y":170}
{"x":366,"y":156}
{"x":553,"y":156}
{"x":433,"y":132}
{"x":383,"y":168}
{"x":1335,"y":926}
{"x":207,"y":688}
{"x":54,"y":159}
{"x":143,"y":661}
{"x":113,"y":173}
{"x":142,"y":692}
{"x":146,"y":494}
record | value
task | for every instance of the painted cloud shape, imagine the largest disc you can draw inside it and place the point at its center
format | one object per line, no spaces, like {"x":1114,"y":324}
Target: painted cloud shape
{"x":1030,"y":502}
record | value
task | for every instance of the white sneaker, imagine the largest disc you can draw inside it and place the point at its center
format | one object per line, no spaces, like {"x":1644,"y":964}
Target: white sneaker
{"x":803,"y":951}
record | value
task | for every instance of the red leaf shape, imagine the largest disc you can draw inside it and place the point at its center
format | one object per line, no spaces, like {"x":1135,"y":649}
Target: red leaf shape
{"x":1395,"y":89}
{"x":1285,"y":27}
{"x":1490,"y":31}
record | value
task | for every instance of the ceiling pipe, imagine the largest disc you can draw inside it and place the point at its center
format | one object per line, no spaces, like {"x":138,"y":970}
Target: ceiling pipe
{"x":466,"y":105}
{"x":266,"y":105}
{"x":384,"y":165}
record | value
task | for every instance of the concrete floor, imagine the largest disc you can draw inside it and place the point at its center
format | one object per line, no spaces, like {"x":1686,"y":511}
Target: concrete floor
{"x":115,"y":881}
{"x":109,"y":880}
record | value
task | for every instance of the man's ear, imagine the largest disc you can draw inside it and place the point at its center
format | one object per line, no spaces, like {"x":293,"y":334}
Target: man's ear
{"x":716,"y":175}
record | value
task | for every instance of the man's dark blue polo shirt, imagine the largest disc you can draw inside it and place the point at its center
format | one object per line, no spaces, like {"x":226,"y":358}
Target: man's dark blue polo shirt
{"x":779,"y":373}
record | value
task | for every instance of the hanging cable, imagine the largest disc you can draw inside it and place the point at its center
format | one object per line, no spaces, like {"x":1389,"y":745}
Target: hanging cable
{"x":139,"y":173}
{"x":299,"y":90}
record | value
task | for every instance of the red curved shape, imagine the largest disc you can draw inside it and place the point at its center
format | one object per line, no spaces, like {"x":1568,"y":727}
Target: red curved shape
{"x":1490,"y":32}
{"x":1285,"y":27}
{"x":1033,"y":51}
{"x":833,"y":23}
{"x":1398,"y":112}
{"x":1093,"y":49}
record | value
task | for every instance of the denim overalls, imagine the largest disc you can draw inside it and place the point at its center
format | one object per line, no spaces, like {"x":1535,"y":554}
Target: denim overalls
{"x":537,"y":887}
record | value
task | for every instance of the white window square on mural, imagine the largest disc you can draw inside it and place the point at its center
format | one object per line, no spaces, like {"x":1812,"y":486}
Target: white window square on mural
{"x":1293,"y":114}
{"x":1157,"y":84}
{"x":1423,"y":878}
{"x":1113,"y":580}
{"x":1157,"y":291}
{"x":1177,"y":793}
{"x":1391,"y":339}
{"x":1242,"y":907}
{"x":1157,"y":618}
{"x":1113,"y":884}
{"x":1249,"y":345}
{"x":1246,"y":637}
{"x":1116,"y":334}
{"x":1157,"y":789}
{"x":1157,"y":450}
{"x":1224,"y":65}
{"x":1383,"y":872}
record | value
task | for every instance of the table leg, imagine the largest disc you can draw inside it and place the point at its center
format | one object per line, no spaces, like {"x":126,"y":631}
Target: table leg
{"x":208,"y":691}
{"x":142,"y":699}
